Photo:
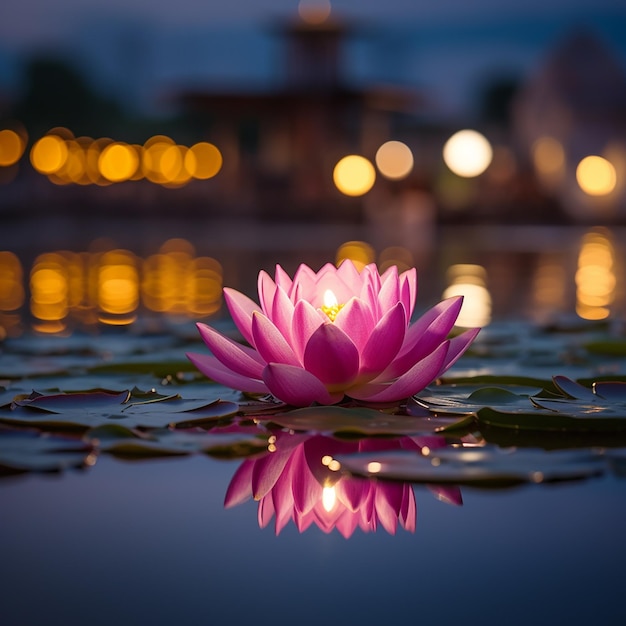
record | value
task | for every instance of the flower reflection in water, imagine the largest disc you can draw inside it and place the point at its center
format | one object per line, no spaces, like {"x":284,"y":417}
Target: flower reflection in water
{"x":298,"y":480}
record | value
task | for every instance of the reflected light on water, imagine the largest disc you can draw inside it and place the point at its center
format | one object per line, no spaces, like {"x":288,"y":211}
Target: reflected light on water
{"x":49,"y":293}
{"x":595,"y":277}
{"x":354,"y":175}
{"x":11,"y":294}
{"x":329,"y":498}
{"x":467,"y":153}
{"x":108,"y":285}
{"x":470,"y":281}
{"x":596,"y":176}
{"x":359,"y":252}
{"x":549,"y":285}
{"x":118,"y":287}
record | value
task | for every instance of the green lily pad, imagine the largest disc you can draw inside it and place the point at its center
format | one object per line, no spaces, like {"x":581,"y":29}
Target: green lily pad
{"x":549,"y":421}
{"x":356,"y":421}
{"x":458,"y":401}
{"x":481,"y":466}
{"x":84,"y":410}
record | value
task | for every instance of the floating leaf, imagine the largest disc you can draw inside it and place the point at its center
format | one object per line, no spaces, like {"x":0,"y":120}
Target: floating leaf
{"x":549,"y":421}
{"x":22,"y":451}
{"x":359,"y":421}
{"x":63,"y":402}
{"x":169,"y":442}
{"x":486,"y":466}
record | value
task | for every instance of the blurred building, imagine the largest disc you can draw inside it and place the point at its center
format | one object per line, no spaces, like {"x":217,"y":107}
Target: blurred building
{"x":570,"y":122}
{"x":280,"y":146}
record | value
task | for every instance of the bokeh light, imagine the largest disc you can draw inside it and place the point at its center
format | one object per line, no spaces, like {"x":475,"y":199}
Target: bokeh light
{"x":354,"y":175}
{"x":596,"y":176}
{"x":595,"y":276}
{"x":118,"y":161}
{"x":467,"y":153}
{"x":11,"y":147}
{"x":359,"y":252}
{"x":394,"y":160}
{"x":549,"y":160}
{"x":49,"y":154}
{"x":204,"y":160}
{"x":470,"y":281}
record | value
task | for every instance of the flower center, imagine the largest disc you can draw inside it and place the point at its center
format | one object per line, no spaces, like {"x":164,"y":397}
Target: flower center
{"x":331,"y":307}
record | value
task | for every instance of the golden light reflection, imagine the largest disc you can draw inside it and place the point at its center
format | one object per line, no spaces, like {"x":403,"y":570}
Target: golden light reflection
{"x":549,"y":284}
{"x":118,"y":287}
{"x":49,"y":293}
{"x":12,"y":146}
{"x":354,"y":175}
{"x":394,"y":160}
{"x":470,"y":281}
{"x":329,"y":498}
{"x":595,"y":276}
{"x":359,"y":252}
{"x":11,"y":294}
{"x":596,"y":176}
{"x":467,"y":153}
{"x":177,"y":283}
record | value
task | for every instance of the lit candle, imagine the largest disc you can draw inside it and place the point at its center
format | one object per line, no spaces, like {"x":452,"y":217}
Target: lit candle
{"x":331,"y":307}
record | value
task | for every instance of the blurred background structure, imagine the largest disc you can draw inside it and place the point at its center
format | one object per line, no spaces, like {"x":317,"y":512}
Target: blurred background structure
{"x":280,"y":131}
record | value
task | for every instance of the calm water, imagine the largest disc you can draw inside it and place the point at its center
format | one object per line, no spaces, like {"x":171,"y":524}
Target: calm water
{"x":150,"y":542}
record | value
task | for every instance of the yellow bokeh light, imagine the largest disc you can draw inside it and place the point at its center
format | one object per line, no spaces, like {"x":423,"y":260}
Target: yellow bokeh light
{"x":359,"y":252}
{"x":118,"y":287}
{"x":49,"y":154}
{"x":394,"y":160}
{"x":354,"y":175}
{"x":595,"y":278}
{"x":203,"y":160}
{"x":11,"y":147}
{"x":467,"y":153}
{"x":49,"y":292}
{"x":11,"y":287}
{"x":596,"y":176}
{"x":118,"y":162}
{"x":469,"y":281}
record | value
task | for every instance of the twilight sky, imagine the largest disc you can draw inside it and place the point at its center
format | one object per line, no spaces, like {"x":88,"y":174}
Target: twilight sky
{"x":31,"y":22}
{"x":138,"y":49}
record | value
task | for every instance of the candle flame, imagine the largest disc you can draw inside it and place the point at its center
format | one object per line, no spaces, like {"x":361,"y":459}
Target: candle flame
{"x":330,"y":299}
{"x":331,"y":306}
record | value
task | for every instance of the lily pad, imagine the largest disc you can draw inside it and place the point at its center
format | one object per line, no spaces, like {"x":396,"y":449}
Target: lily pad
{"x":356,"y":421}
{"x":459,"y":401}
{"x":483,"y":466}
{"x":84,"y":410}
{"x":27,"y":450}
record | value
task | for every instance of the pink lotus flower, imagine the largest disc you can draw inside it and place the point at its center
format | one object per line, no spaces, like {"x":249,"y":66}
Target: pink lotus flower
{"x":334,"y":333}
{"x":296,"y":482}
